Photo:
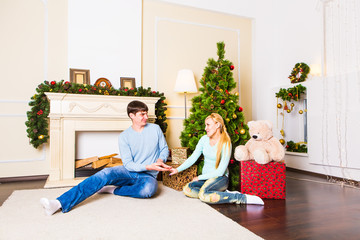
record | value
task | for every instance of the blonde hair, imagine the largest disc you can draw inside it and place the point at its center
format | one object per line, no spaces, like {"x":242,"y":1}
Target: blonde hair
{"x":224,"y":136}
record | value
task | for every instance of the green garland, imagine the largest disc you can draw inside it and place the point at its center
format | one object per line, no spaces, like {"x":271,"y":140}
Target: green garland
{"x":302,"y":68}
{"x":289,"y":94}
{"x":37,"y":123}
{"x":296,"y":147}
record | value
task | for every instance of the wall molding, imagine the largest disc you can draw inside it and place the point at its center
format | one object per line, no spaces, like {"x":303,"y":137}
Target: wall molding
{"x":159,"y":19}
{"x":9,"y":101}
{"x":42,"y":158}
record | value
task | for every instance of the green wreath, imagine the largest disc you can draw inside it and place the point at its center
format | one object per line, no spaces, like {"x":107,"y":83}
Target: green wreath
{"x":37,"y":123}
{"x":301,"y":68}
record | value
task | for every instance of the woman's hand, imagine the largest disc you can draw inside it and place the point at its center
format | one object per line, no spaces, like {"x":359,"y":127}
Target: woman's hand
{"x":173,"y":171}
{"x":195,"y":179}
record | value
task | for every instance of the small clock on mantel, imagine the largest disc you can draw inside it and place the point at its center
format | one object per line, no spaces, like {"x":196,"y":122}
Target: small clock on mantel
{"x":103,"y":82}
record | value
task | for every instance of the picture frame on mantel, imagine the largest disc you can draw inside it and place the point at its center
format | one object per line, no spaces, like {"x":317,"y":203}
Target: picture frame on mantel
{"x":81,"y":76}
{"x":127,"y":82}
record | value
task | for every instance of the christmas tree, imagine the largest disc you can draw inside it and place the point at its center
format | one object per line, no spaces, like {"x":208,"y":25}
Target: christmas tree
{"x":217,"y":82}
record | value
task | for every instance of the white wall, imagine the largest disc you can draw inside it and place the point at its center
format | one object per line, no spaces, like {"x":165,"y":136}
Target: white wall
{"x":105,"y":37}
{"x":33,"y":48}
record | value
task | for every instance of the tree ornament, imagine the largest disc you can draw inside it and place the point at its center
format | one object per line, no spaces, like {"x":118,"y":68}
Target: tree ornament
{"x":285,"y":106}
{"x":222,"y":101}
{"x":242,"y":131}
{"x":282,"y":132}
{"x":212,"y":106}
{"x":240,"y":109}
{"x":232,"y":67}
{"x":236,"y":94}
{"x":227,"y":120}
{"x":301,"y":111}
{"x":289,"y":110}
{"x":282,"y":141}
{"x":292,"y":105}
{"x":234,"y":116}
{"x":41,"y":137}
{"x":190,"y":135}
{"x":279,"y":105}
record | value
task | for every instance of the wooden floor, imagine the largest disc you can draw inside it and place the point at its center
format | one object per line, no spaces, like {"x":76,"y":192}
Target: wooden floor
{"x":313,"y":209}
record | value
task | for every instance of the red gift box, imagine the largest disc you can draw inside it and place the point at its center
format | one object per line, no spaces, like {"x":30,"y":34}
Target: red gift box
{"x":263,"y":180}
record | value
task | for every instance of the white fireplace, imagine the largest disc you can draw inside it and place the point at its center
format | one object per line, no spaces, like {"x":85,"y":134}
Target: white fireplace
{"x":70,"y":113}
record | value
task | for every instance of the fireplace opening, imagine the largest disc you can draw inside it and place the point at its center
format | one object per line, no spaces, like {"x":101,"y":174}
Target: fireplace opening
{"x":95,"y":151}
{"x":86,"y":171}
{"x":89,"y":166}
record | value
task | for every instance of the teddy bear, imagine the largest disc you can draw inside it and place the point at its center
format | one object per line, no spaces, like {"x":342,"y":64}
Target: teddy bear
{"x":263,"y":147}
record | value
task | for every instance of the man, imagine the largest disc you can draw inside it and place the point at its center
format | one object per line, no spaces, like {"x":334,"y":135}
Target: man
{"x":143,"y":150}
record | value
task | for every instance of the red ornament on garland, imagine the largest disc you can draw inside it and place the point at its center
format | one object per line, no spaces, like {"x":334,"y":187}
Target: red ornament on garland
{"x":240,"y":109}
{"x":53,"y":82}
{"x":40,"y":112}
{"x":222,"y":101}
{"x":232,"y":67}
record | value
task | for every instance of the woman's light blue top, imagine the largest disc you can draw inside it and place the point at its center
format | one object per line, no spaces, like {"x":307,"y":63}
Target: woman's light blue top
{"x":209,"y":152}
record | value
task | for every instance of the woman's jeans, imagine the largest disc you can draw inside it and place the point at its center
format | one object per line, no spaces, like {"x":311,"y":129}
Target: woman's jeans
{"x":212,"y":191}
{"x":131,"y":184}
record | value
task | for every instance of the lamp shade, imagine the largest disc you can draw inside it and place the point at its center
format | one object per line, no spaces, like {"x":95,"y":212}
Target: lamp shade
{"x":185,"y":81}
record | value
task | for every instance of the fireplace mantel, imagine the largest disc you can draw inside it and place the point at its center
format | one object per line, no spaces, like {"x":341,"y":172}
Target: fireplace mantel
{"x":70,"y":113}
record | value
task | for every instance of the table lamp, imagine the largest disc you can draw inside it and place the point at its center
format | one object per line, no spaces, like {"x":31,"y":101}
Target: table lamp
{"x":185,"y":83}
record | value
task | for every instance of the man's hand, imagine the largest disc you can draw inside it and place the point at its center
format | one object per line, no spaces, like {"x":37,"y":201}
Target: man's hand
{"x":158,"y":166}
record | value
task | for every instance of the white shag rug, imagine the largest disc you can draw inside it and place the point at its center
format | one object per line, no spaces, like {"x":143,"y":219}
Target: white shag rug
{"x":169,"y":215}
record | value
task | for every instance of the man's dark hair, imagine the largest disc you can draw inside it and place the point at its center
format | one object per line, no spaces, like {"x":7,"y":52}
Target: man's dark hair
{"x":136,"y":106}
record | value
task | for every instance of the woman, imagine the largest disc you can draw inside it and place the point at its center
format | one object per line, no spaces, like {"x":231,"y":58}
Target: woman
{"x":210,"y":186}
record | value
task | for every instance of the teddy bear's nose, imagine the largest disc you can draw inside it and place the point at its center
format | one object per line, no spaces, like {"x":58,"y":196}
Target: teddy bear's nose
{"x":254,"y":136}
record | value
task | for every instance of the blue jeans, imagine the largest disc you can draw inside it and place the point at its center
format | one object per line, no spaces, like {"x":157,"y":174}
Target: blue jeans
{"x":131,"y":184}
{"x":212,"y":191}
